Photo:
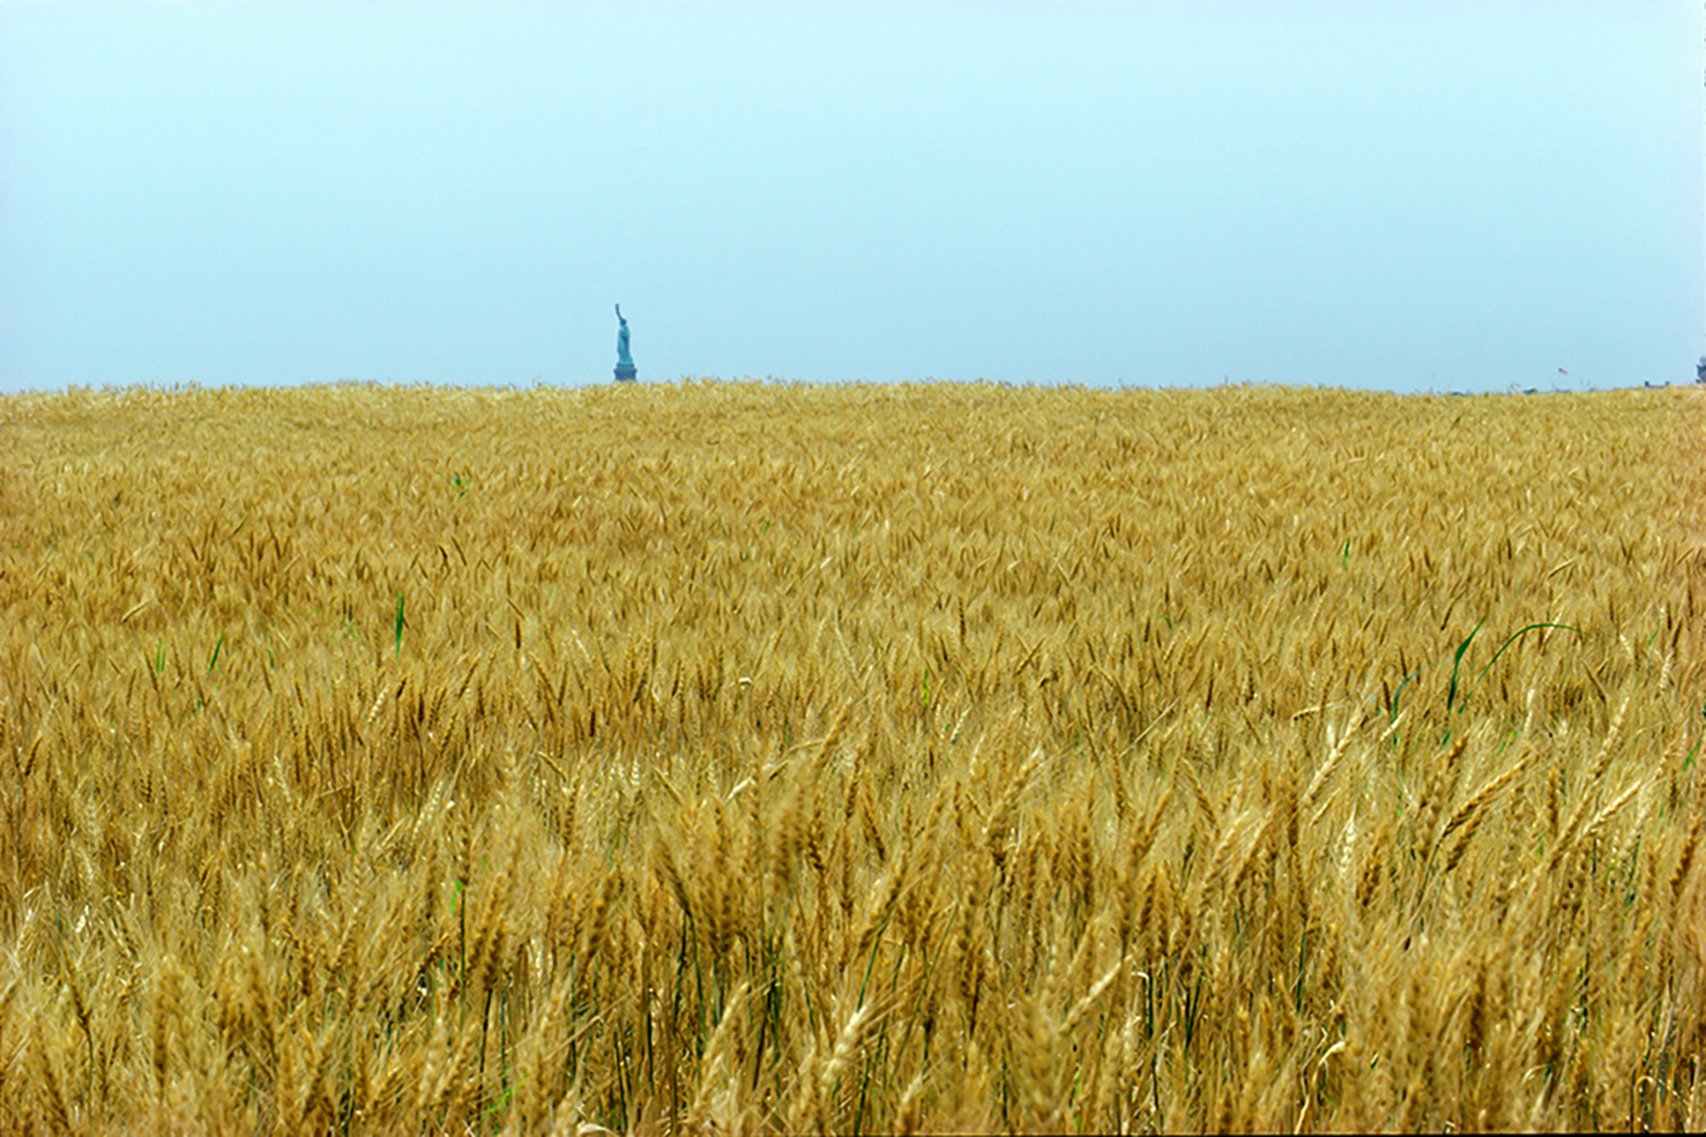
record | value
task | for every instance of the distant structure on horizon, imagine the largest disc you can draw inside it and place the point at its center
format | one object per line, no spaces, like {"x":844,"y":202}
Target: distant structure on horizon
{"x":625,"y":369}
{"x":1700,"y":370}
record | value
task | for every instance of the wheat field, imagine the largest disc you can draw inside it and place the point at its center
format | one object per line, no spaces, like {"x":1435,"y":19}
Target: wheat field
{"x":764,"y":758}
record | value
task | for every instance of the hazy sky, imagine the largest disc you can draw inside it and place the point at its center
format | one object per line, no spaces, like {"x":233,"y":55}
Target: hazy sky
{"x":1406,"y":195}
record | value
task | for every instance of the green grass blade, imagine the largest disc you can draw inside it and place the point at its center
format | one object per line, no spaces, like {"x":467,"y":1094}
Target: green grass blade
{"x":1457,"y":661}
{"x":1517,"y":635}
{"x":1393,"y":716}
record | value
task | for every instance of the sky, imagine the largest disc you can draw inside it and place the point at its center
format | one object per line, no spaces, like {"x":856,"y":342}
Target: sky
{"x":1413,"y":195}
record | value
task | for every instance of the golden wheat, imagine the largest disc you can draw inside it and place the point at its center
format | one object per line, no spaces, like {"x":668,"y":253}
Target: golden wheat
{"x":771,"y":758}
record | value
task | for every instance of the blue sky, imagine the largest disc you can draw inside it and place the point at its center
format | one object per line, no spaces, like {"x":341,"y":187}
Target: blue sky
{"x":1408,"y":195}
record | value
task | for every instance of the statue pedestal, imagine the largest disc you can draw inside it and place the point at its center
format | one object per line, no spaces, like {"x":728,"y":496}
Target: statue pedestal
{"x":626,"y":373}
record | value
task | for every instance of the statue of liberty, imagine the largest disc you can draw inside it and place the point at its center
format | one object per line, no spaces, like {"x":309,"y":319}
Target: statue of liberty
{"x":625,"y":370}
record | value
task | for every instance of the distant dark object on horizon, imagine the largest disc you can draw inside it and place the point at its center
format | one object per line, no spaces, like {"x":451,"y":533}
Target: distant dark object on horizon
{"x":1700,"y":370}
{"x":625,"y":371}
